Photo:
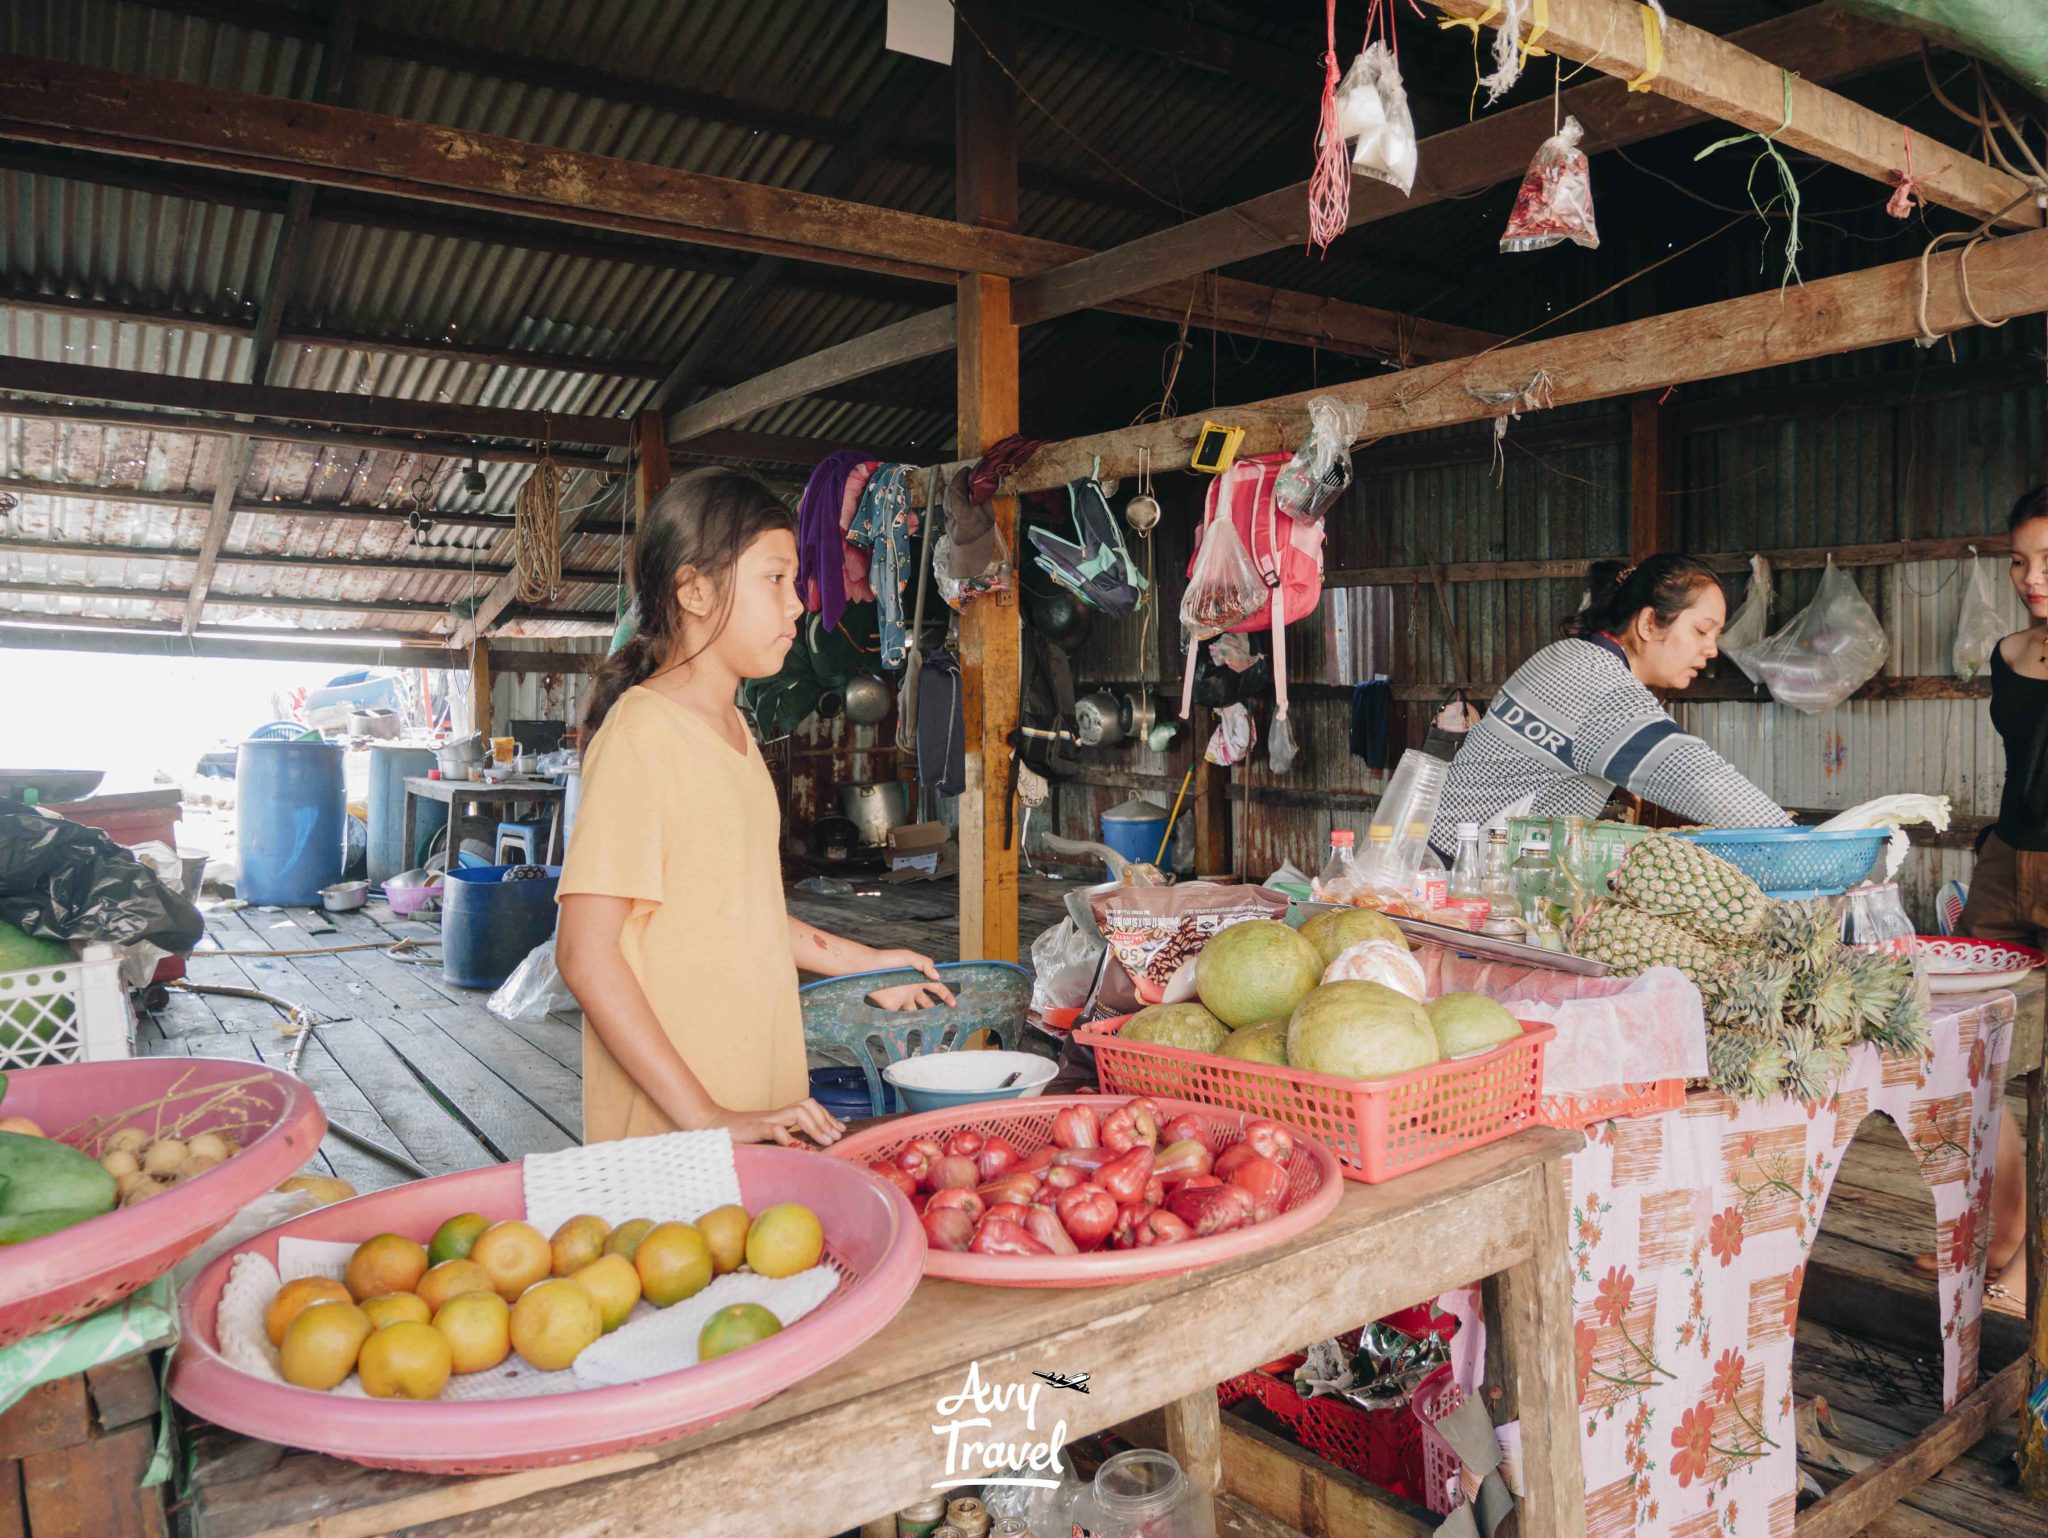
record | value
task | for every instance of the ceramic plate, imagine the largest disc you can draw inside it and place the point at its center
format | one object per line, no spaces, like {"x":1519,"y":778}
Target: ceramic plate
{"x":1957,"y":964}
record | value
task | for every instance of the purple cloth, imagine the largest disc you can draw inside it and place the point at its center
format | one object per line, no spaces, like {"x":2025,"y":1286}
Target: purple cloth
{"x":820,"y":546}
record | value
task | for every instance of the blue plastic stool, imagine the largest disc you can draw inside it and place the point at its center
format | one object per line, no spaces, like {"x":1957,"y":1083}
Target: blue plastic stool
{"x":527,"y":838}
{"x":993,"y":996}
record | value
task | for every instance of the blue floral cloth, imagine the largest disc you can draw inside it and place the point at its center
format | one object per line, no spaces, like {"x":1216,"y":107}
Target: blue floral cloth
{"x":885,"y":524}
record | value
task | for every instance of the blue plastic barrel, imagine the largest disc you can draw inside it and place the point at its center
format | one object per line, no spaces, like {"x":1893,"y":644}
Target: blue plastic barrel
{"x":390,"y":766}
{"x":489,"y":924}
{"x":290,"y":817}
{"x":1134,"y":830}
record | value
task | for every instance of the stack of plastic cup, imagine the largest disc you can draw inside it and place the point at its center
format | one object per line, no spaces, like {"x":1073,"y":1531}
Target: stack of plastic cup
{"x":1413,"y":794}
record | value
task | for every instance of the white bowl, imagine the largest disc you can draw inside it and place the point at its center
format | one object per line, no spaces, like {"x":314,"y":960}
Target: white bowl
{"x":937,"y":1080}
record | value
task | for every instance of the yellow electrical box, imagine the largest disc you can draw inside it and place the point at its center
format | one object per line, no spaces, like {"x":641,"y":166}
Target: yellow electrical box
{"x":1216,"y":447}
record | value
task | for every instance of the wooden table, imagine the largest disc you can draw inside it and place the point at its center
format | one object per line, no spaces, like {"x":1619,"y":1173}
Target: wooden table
{"x":479,"y":807}
{"x":855,"y":1442}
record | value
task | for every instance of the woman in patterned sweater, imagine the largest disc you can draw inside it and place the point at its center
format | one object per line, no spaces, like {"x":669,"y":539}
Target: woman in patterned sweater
{"x":1577,"y":720}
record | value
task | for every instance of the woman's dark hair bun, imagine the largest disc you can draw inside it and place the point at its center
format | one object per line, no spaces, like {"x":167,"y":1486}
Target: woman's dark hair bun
{"x":2031,"y":505}
{"x":1667,"y":585}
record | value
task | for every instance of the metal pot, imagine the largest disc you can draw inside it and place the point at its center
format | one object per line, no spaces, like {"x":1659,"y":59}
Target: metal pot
{"x":867,"y":700}
{"x":1099,"y":720}
{"x":876,"y":807}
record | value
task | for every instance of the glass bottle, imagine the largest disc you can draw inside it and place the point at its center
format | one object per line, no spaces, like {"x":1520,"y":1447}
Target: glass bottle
{"x":1534,"y":873}
{"x":1575,"y":890}
{"x":1428,"y":883}
{"x":1143,"y":1494}
{"x":1468,"y":878}
{"x":1339,"y":880}
{"x":1503,"y":913}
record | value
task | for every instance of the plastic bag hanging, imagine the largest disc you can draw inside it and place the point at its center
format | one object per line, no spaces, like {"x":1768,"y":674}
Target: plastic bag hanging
{"x":1831,"y":648}
{"x":1225,"y":588}
{"x":1556,"y":200}
{"x":1372,"y":108}
{"x":1752,"y":623}
{"x":1321,"y":468}
{"x":1981,"y":627}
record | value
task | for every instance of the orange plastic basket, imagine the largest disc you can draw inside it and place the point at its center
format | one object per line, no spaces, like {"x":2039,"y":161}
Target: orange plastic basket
{"x":1575,"y":1113}
{"x":1377,"y":1128}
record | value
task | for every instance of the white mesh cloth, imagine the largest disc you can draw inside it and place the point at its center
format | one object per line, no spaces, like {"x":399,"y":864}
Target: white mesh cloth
{"x":676,"y":1177}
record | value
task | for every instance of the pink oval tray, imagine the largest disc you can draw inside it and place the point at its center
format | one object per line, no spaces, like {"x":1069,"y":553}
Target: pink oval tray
{"x":1960,"y":964}
{"x":872,"y":1236}
{"x":1315,"y":1182}
{"x":80,"y":1270}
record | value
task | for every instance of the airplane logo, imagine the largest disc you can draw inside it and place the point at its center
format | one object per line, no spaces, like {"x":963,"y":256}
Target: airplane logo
{"x":1078,"y":1381}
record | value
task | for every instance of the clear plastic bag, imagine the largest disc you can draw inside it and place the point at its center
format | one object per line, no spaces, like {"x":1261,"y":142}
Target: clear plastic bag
{"x":1556,"y":200}
{"x":1831,"y":648}
{"x":1280,"y":746}
{"x":1982,"y":626}
{"x":1752,"y":623}
{"x":1225,"y":588}
{"x":1234,"y":737}
{"x":1372,"y":107}
{"x":1063,"y":964}
{"x":535,"y":989}
{"x":1321,"y":468}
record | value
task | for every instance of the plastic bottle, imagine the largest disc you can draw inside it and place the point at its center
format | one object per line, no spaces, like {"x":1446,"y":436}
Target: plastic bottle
{"x":1339,"y":881}
{"x":1575,"y":891}
{"x":1534,"y":874}
{"x":1428,"y":883}
{"x":1375,"y":863}
{"x":1468,"y":878}
{"x":1503,"y":913}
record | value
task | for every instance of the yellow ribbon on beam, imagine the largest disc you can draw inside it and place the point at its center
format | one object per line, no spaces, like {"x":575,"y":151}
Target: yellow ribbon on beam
{"x":1472,"y":23}
{"x":1653,"y":51}
{"x":1539,"y":23}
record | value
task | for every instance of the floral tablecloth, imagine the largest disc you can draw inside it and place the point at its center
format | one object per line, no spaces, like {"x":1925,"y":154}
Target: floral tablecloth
{"x":1690,"y":1234}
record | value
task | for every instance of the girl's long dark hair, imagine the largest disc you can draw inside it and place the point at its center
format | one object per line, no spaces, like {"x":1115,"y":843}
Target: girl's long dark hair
{"x":1667,"y":585}
{"x":702,"y":520}
{"x":2031,"y":505}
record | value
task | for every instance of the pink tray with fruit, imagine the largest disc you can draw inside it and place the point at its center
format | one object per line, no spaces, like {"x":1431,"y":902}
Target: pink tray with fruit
{"x":272,"y":1118}
{"x":872,"y":1238}
{"x":1302,"y":1192}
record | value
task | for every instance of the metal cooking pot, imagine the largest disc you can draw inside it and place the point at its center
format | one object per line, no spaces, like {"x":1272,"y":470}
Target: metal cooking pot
{"x":1099,"y":720}
{"x":876,"y":807}
{"x":867,"y":700}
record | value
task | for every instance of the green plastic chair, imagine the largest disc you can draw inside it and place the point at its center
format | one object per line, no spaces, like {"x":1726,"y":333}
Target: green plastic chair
{"x":993,"y":996}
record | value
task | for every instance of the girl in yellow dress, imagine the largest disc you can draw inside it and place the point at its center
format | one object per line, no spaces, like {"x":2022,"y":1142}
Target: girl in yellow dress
{"x":673,"y":933}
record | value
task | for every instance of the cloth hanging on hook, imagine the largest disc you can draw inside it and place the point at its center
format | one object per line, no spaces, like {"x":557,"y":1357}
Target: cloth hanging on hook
{"x":1653,"y":46}
{"x":1536,"y":395}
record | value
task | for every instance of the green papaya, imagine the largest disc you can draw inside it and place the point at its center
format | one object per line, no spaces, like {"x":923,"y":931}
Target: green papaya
{"x":46,"y":1185}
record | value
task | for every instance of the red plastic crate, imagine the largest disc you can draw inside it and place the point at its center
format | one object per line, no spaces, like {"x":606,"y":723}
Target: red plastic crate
{"x":1378,"y":1129}
{"x":1384,"y":1446}
{"x":1578,"y":1112}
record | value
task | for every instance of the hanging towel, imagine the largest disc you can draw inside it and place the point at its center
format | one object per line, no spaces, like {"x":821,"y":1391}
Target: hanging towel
{"x":1002,"y":457}
{"x":1372,"y":705}
{"x":820,"y":546}
{"x":941,"y":724}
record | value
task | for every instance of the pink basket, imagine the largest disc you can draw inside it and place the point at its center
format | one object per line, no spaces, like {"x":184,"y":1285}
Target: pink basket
{"x":1377,"y":1129}
{"x":80,"y":1270}
{"x":872,"y":1237}
{"x":1312,"y":1192}
{"x":1442,"y":1470}
{"x":1575,"y":1113}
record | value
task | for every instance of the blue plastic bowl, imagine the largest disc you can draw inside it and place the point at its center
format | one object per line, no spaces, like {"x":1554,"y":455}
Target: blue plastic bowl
{"x":938,"y":1081}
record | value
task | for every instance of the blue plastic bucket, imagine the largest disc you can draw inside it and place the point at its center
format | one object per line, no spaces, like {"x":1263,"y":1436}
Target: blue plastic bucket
{"x":489,"y":925}
{"x":390,"y":766}
{"x":291,"y":814}
{"x":1134,"y":831}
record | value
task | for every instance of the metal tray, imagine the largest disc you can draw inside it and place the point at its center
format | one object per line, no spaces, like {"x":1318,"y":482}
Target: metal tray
{"x":1486,"y":947}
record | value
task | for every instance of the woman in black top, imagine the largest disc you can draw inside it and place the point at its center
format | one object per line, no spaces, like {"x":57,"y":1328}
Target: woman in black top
{"x":2009,"y":888}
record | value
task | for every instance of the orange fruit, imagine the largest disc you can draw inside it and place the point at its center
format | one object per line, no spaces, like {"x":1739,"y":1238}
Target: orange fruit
{"x":785,"y":1239}
{"x":626,"y":1237}
{"x":578,"y":1242}
{"x":735,"y":1327}
{"x":293,"y":1296}
{"x":674,"y":1263}
{"x":387,"y":1263}
{"x":450,"y":1279}
{"x":478,"y":1329}
{"x":452,"y":1240}
{"x":406,"y":1360}
{"x":725,"y":1230}
{"x":389,"y":1308}
{"x":324,"y":1189}
{"x":514,"y":1255}
{"x":321,"y":1344}
{"x":552,"y":1322}
{"x":612,"y":1280}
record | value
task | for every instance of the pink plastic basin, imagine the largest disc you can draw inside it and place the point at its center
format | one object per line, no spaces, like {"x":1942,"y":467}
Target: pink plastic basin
{"x":80,"y":1270}
{"x":1315,"y":1181}
{"x":871,"y":1235}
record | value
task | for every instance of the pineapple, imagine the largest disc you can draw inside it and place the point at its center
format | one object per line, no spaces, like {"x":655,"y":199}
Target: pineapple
{"x":1878,"y":981}
{"x":1905,"y":1026}
{"x":1813,"y":1064}
{"x":1675,"y":879}
{"x":1747,"y":993}
{"x":1807,"y":933}
{"x":1631,"y":942}
{"x":1825,"y":999}
{"x":1748,"y":1064}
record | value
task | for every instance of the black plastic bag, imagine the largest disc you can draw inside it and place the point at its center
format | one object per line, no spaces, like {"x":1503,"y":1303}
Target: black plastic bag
{"x":64,"y":881}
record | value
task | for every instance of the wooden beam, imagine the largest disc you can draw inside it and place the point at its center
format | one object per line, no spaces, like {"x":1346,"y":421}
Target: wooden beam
{"x":985,"y":115}
{"x":437,"y":611}
{"x":650,"y":464}
{"x":1736,"y":336}
{"x":119,"y":496}
{"x":1726,"y":80}
{"x":235,"y":458}
{"x":1820,"y":42}
{"x":480,"y":703}
{"x":132,"y":641}
{"x":84,"y":381}
{"x":1652,"y":475}
{"x":1799,"y":558}
{"x":258,"y":560}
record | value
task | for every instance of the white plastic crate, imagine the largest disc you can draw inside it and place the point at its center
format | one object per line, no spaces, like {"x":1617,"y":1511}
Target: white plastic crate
{"x":72,"y":1012}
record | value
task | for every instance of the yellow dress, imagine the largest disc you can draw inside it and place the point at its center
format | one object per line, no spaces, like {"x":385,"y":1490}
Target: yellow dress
{"x":690,"y":830}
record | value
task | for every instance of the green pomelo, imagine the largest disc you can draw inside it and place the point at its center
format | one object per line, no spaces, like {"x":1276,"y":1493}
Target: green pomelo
{"x":1360,"y":1031}
{"x":30,"y":1024}
{"x":1256,"y":971}
{"x":1188,"y":1026}
{"x":1265,"y":1043}
{"x":1332,"y":934}
{"x":1470,"y":1022}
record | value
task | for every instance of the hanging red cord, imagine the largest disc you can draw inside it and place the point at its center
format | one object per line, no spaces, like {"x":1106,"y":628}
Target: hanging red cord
{"x":1905,"y":188}
{"x":1329,"y":190}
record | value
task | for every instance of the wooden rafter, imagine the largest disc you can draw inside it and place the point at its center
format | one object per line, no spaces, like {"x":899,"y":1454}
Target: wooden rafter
{"x":1719,"y":77}
{"x":264,"y":562}
{"x":2008,"y":277}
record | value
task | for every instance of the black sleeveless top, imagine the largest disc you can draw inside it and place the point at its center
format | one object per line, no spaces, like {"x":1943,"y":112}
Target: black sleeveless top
{"x":2019,"y":710}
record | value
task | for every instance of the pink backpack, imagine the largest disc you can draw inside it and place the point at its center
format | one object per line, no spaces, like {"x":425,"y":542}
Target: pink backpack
{"x":1288,"y":552}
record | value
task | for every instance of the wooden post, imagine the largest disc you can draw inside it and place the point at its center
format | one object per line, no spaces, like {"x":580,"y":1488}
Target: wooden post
{"x":650,"y":463}
{"x":1211,"y":793}
{"x":480,"y":687}
{"x":986,"y":177}
{"x":1652,"y":471}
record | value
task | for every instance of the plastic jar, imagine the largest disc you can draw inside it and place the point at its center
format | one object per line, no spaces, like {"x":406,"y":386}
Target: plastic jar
{"x":1143,"y":1493}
